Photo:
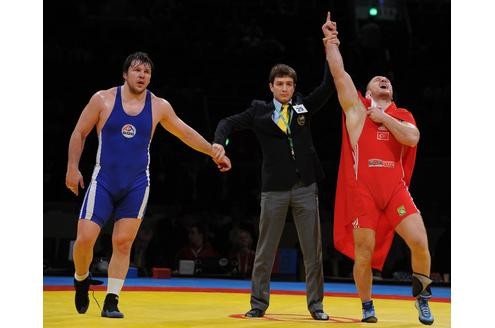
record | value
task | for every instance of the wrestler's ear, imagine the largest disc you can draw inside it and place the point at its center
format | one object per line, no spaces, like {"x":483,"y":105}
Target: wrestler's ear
{"x":367,"y":95}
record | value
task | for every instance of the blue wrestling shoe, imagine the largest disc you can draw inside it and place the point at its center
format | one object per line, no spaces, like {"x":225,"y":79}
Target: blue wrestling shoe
{"x":110,"y":309}
{"x":369,"y":313}
{"x":425,"y":316}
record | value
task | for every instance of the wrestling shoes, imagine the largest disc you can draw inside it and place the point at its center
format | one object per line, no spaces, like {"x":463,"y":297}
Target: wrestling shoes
{"x":425,"y":316}
{"x":110,"y":309}
{"x":81,"y":298}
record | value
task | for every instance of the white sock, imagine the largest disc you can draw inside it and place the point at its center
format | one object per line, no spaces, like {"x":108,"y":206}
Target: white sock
{"x":114,"y":286}
{"x":81,"y":278}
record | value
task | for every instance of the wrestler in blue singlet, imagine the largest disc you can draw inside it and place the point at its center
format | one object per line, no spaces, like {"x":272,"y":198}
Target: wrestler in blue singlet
{"x":120,"y":181}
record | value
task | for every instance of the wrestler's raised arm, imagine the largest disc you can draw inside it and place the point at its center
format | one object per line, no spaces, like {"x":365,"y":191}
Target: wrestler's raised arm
{"x":347,"y":93}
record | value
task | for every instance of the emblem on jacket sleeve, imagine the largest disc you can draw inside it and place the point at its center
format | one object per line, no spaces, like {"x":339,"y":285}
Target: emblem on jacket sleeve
{"x":301,"y":120}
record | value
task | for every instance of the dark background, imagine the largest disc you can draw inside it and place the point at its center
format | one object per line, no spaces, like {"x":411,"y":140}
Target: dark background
{"x":211,"y":59}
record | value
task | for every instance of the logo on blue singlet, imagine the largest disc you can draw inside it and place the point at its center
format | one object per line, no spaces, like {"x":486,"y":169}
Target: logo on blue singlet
{"x":128,"y":131}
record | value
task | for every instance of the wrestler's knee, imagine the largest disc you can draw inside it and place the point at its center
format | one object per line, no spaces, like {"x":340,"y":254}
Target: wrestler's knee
{"x":418,"y":242}
{"x":83,"y":244}
{"x":85,"y":240}
{"x":122,"y":243}
{"x":363,"y":253}
{"x":413,"y":231}
{"x":364,"y":242}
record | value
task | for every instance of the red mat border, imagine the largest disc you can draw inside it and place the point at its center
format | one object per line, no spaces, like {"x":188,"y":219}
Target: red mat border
{"x":237,"y":290}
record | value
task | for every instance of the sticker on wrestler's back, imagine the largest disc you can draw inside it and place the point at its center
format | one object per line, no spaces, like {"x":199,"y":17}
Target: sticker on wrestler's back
{"x":300,"y":109}
{"x":128,"y":131}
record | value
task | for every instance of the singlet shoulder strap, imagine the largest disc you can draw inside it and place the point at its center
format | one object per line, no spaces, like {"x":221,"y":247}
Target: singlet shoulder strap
{"x":117,"y":95}
{"x":148,"y":97}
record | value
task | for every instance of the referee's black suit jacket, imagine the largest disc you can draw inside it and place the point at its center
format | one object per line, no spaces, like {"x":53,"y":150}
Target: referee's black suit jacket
{"x":280,"y":170}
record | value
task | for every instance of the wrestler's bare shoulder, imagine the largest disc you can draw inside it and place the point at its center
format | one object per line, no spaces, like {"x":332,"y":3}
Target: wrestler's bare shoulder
{"x":161,"y":106}
{"x":105,"y":98}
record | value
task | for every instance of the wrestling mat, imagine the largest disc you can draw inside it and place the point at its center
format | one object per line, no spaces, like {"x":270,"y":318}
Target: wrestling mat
{"x":188,"y":302}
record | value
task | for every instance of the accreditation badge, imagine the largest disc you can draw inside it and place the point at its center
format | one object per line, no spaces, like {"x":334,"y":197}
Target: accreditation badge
{"x":300,"y":109}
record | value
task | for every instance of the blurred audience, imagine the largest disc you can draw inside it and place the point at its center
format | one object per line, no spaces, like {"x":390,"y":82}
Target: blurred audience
{"x":241,"y":256}
{"x":198,"y":249}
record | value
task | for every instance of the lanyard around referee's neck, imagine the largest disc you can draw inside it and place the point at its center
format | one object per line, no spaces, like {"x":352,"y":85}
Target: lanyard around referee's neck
{"x":287,"y":125}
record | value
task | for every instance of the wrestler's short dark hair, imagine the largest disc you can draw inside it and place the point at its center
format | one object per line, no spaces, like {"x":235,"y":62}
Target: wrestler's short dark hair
{"x":281,"y":70}
{"x":139,"y":57}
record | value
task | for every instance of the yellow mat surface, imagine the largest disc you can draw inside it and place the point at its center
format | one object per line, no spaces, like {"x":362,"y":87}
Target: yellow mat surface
{"x":150,"y":309}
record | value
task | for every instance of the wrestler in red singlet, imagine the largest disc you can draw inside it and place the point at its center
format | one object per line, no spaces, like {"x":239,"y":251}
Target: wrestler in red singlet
{"x":375,"y":193}
{"x":380,"y":175}
{"x":372,"y":200}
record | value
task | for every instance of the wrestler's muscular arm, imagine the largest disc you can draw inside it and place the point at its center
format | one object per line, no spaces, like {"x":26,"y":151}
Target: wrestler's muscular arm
{"x":405,"y":132}
{"x":90,"y":117}
{"x":172,"y":123}
{"x":354,"y":110}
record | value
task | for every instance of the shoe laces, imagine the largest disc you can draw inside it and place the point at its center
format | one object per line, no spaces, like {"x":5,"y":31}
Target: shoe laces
{"x":93,"y":282}
{"x":424,"y":307}
{"x":368,"y":313}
